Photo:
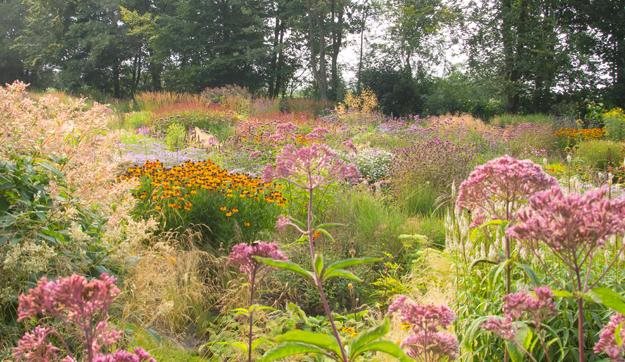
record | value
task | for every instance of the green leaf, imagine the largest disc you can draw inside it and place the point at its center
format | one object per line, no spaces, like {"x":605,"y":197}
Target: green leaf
{"x":329,"y":224}
{"x":608,"y":298}
{"x":321,"y":340}
{"x":368,"y":336}
{"x":562,"y":293}
{"x":288,"y":349}
{"x":319,"y":264}
{"x":326,"y":233}
{"x":286,"y":265}
{"x":516,"y":355}
{"x":350,"y":262}
{"x":341,"y":273}
{"x":387,"y":347}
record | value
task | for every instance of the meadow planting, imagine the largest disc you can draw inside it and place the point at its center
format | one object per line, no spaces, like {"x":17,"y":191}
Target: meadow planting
{"x":222,"y":226}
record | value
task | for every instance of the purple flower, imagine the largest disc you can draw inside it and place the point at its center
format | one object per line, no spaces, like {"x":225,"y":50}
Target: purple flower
{"x":318,"y":164}
{"x":437,"y":344}
{"x":611,"y":339}
{"x":82,"y":304}
{"x":428,"y":325}
{"x":503,"y":327}
{"x":282,"y":223}
{"x":537,"y":304}
{"x":138,"y":355}
{"x":318,"y":133}
{"x":242,"y":255}
{"x":34,"y":346}
{"x":497,"y":188}
{"x":569,"y":223}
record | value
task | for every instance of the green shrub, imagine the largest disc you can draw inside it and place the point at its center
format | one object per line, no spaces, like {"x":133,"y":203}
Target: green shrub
{"x":614,"y":121}
{"x":137,"y":119}
{"x":43,"y":231}
{"x":600,"y":154}
{"x":175,"y":136}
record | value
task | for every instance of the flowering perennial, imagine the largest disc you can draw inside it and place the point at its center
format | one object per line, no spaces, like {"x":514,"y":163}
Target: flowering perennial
{"x":81,"y":303}
{"x":537,"y":304}
{"x":428,"y":323}
{"x":318,"y":164}
{"x":496,"y":189}
{"x":176,"y":184}
{"x":611,"y":339}
{"x":569,"y":223}
{"x":243,"y":254}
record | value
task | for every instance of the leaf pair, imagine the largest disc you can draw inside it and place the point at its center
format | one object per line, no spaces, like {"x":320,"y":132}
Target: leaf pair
{"x":304,"y":342}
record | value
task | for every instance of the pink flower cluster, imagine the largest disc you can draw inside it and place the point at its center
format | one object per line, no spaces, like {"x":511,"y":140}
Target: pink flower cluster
{"x":428,"y":324}
{"x":495,"y":189}
{"x":611,"y":339}
{"x":76,"y":301}
{"x":242,"y":254}
{"x":502,"y":326}
{"x":318,"y":164}
{"x":569,"y":222}
{"x":536,"y":305}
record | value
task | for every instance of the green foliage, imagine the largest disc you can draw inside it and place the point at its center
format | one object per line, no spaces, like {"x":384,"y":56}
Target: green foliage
{"x":44,"y":230}
{"x":299,"y":342}
{"x":600,"y":154}
{"x":175,"y":136}
{"x":418,"y":199}
{"x":253,"y":218}
{"x":159,"y":347}
{"x":220,"y":125}
{"x":459,"y":93}
{"x":371,"y":223}
{"x":614,"y":121}
{"x":433,"y":227}
{"x":137,"y":119}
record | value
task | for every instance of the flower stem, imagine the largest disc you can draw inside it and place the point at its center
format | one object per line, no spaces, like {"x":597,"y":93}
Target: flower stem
{"x":318,"y":282}
{"x":580,"y":318}
{"x":250,"y":336}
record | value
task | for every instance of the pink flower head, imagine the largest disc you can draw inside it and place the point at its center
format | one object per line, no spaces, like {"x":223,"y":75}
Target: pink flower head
{"x":497,"y":188}
{"x":319,"y":133}
{"x":349,"y":145}
{"x":318,"y":164}
{"x":438,"y":344}
{"x":611,"y":338}
{"x":34,"y":346}
{"x":428,"y":325}
{"x":569,"y":223}
{"x":72,"y":298}
{"x":422,"y":317}
{"x":537,"y":304}
{"x":503,"y":327}
{"x":284,"y":131}
{"x":282,"y":223}
{"x":138,"y":355}
{"x":242,"y":254}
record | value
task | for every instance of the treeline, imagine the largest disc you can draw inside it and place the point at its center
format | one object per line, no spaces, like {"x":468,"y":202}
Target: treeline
{"x":518,"y":56}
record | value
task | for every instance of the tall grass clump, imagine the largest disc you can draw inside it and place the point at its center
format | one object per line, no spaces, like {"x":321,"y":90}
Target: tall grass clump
{"x":150,"y":101}
{"x":425,"y":171}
